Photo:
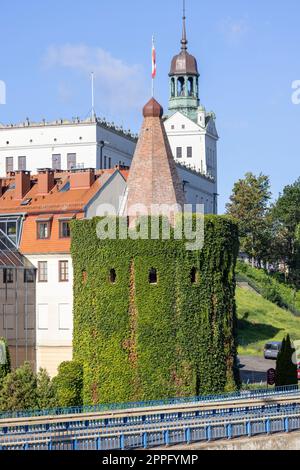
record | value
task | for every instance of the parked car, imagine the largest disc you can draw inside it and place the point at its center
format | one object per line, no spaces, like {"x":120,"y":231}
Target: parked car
{"x":272,"y":349}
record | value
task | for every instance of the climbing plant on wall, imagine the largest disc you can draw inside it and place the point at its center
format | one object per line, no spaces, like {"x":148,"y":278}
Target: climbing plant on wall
{"x":151,"y":319}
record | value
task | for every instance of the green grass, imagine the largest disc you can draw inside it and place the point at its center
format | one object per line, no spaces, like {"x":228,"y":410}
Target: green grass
{"x":261,"y":321}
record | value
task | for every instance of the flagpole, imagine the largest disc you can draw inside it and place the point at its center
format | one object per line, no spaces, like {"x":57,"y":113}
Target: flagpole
{"x":152,"y":66}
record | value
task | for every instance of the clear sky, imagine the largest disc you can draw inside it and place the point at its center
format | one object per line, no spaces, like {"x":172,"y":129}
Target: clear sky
{"x":248,"y":54}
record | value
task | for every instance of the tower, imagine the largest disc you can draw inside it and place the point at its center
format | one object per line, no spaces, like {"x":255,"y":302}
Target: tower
{"x":184,"y":80}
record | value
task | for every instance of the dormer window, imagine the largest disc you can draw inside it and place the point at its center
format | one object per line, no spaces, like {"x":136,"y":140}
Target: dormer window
{"x":64,"y":229}
{"x":43,"y":230}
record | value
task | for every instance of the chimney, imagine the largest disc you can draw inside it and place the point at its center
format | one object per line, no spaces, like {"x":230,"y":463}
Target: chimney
{"x":22,"y":182}
{"x":82,"y":179}
{"x":45,"y":180}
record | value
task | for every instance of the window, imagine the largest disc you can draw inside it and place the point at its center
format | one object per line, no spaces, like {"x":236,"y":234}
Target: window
{"x":8,"y":276}
{"x":63,"y":267}
{"x":43,"y":271}
{"x":194,"y":276}
{"x":43,"y":230}
{"x":56,"y":161}
{"x":179,"y":152}
{"x":113,"y":276}
{"x":109,"y":162}
{"x":21,"y":163}
{"x":183,"y":126}
{"x":65,"y":317}
{"x":29,"y":276}
{"x":64,"y":229}
{"x":172,"y":127}
{"x":189,"y":152}
{"x":153,"y":276}
{"x":105,"y":163}
{"x":71,"y":161}
{"x":9,"y":164}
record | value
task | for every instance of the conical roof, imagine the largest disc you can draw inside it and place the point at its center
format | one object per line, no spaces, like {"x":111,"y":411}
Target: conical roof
{"x":153,"y":177}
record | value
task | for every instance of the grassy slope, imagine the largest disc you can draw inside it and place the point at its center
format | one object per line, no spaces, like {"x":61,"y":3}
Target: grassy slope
{"x":261,"y":321}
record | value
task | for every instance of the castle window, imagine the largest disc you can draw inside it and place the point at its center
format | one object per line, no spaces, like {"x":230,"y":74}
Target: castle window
{"x":180,"y":86}
{"x":9,"y":164}
{"x":8,"y":276}
{"x":56,"y":161}
{"x":179,"y":152}
{"x":71,"y":161}
{"x":29,"y":276}
{"x":153,"y":276}
{"x":194,"y":276}
{"x":189,"y":152}
{"x":113,"y":276}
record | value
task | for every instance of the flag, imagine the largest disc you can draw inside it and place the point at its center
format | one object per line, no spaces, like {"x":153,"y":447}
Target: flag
{"x":153,"y":59}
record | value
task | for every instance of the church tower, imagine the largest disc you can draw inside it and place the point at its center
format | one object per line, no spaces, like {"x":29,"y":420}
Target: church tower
{"x":184,"y":80}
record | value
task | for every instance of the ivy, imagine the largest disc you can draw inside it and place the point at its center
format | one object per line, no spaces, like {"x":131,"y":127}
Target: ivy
{"x":138,"y":340}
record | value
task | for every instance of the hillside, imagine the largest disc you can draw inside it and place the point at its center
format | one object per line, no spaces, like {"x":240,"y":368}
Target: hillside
{"x":261,"y":321}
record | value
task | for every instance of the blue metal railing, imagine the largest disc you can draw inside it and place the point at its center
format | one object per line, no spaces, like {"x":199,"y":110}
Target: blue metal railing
{"x":259,"y":393}
{"x":171,"y":435}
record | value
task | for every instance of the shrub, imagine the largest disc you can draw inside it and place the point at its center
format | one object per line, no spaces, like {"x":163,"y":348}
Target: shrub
{"x":19,"y":390}
{"x":45,"y":391}
{"x":4,"y":359}
{"x":286,"y":368}
{"x":68,"y":384}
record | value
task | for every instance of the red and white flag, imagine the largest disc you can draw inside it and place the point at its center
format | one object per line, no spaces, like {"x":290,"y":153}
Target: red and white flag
{"x":153,"y":59}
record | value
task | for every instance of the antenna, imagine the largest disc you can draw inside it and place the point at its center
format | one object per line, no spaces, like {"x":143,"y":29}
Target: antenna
{"x":93,"y":97}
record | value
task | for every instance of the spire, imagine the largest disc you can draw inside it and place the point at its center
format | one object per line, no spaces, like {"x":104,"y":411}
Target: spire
{"x":184,"y":41}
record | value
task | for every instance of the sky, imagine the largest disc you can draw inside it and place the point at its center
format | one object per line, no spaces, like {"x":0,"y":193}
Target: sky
{"x":248,"y":57}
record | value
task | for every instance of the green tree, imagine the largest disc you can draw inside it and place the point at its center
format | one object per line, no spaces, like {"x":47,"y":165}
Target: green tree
{"x":286,"y":368}
{"x":249,"y":205}
{"x":5,"y":366}
{"x":19,"y":390}
{"x":69,"y":384}
{"x":45,"y":391}
{"x":286,"y":215}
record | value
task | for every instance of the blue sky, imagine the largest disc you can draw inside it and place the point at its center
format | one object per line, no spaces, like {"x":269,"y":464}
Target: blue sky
{"x":247,"y":51}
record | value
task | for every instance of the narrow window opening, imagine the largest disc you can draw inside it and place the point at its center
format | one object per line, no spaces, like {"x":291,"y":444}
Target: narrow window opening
{"x":153,"y":276}
{"x":113,"y":276}
{"x":194,"y":276}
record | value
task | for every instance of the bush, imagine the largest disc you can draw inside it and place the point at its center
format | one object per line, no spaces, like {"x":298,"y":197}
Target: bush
{"x":271,"y":293}
{"x":45,"y":391}
{"x":19,"y":390}
{"x":286,"y":369}
{"x":4,"y":359}
{"x":68,"y":384}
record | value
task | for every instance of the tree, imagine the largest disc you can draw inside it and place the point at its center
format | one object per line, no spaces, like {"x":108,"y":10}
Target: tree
{"x":5,"y":367}
{"x":249,"y":205}
{"x":286,"y":215}
{"x":19,"y":390}
{"x":68,"y":384}
{"x":286,"y":367}
{"x":45,"y":391}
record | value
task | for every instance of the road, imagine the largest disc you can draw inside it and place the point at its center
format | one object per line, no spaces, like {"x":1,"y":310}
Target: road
{"x":254,"y":369}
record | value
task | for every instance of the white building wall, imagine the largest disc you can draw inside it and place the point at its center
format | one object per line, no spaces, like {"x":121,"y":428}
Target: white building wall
{"x":54,"y":314}
{"x":39,"y":142}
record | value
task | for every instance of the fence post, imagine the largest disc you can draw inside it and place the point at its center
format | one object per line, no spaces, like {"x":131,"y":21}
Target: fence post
{"x":122,"y":442}
{"x":145,"y":440}
{"x":167,"y":438}
{"x":208,"y":433}
{"x":249,"y":429}
{"x":286,"y":425}
{"x":188,"y":436}
{"x":229,"y":431}
{"x":268,"y":426}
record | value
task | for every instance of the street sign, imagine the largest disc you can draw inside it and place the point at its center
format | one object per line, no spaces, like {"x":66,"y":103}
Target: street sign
{"x":271,"y":374}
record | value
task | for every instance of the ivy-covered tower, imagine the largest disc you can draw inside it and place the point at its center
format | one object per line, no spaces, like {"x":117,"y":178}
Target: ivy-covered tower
{"x":184,"y":81}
